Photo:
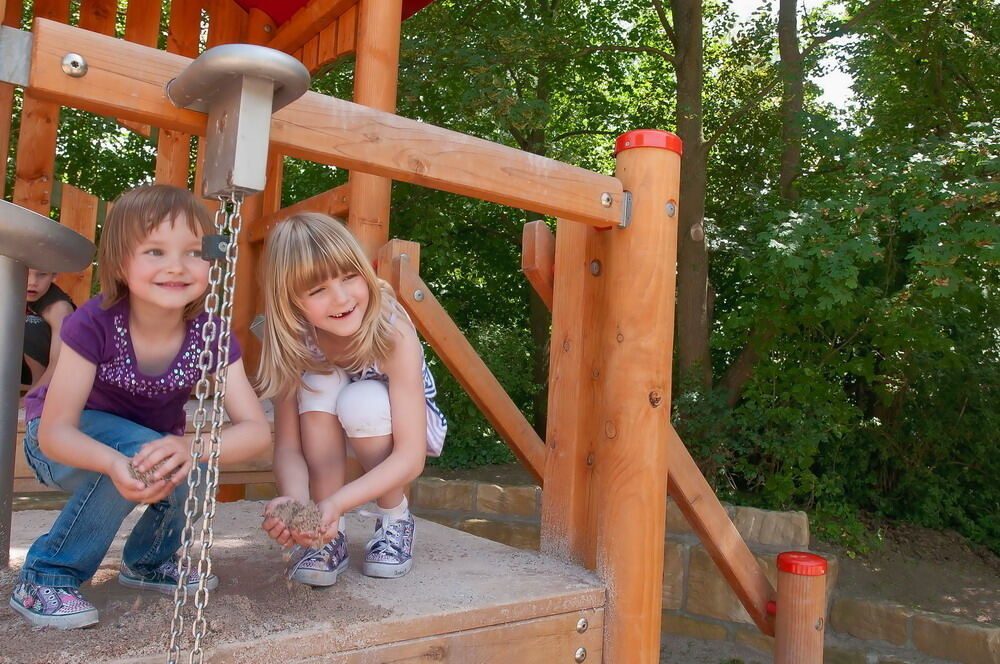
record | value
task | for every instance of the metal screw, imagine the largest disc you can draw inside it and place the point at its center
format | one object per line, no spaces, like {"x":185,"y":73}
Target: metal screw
{"x":582,"y":625}
{"x":581,"y":654}
{"x":268,"y":28}
{"x":671,"y":208}
{"x":595,"y":267}
{"x":606,"y":199}
{"x":73,"y":64}
{"x":418,"y":295}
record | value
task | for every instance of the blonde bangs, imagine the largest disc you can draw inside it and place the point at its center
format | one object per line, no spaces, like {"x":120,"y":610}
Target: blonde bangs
{"x":302,"y":251}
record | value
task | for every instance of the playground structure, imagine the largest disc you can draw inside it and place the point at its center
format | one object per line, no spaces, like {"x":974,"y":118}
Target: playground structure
{"x":610,"y":456}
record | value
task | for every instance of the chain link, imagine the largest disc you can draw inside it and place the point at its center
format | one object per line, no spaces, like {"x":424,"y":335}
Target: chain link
{"x":213,"y":365}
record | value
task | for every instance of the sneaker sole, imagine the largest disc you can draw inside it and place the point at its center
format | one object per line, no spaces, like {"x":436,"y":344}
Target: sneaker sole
{"x":165,"y":588}
{"x":75,"y":621}
{"x":319,"y":578}
{"x":386,"y":570}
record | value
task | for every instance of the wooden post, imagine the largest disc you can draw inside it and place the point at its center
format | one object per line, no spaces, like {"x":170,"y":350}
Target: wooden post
{"x":78,"y":210}
{"x":375,"y":74}
{"x":173,"y":148}
{"x":801,"y":608}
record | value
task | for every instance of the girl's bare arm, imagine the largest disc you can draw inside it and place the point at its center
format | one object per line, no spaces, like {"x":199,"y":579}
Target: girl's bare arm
{"x":290,"y":470}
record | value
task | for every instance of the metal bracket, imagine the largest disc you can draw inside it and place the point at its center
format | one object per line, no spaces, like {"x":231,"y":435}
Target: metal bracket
{"x":214,"y":247}
{"x":626,"y":209}
{"x":240,"y":86}
{"x":15,"y":55}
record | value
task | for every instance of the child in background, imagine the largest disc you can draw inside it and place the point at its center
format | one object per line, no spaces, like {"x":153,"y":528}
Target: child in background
{"x":115,"y":404}
{"x":47,"y":306}
{"x":342,"y":359}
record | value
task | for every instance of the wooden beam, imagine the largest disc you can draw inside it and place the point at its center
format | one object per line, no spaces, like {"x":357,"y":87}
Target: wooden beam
{"x":708,"y":518}
{"x":260,"y":27}
{"x":184,"y":31}
{"x":173,"y":148}
{"x":6,"y":115}
{"x":306,"y":23}
{"x":227,"y":22}
{"x":436,"y":326}
{"x":35,"y":160}
{"x":347,"y":31}
{"x":327,"y":51}
{"x":333,"y":202}
{"x":78,"y":210}
{"x":127,"y":80}
{"x":99,"y":16}
{"x":538,"y":252}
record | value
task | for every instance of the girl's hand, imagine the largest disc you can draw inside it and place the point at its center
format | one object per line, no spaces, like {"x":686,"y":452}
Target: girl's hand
{"x":168,"y":458}
{"x":273,"y":526}
{"x":132,"y":489}
{"x":330,"y":513}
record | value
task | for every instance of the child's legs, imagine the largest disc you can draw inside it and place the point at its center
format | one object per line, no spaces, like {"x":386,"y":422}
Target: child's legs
{"x":367,"y":420}
{"x":325,"y":451}
{"x":320,"y":433}
{"x":77,"y":542}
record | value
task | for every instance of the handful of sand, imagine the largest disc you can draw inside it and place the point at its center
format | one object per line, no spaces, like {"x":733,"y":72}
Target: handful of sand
{"x":299,"y":518}
{"x":147,"y":476}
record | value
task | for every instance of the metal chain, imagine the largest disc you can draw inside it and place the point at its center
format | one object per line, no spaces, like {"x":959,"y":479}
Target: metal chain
{"x":213,"y":365}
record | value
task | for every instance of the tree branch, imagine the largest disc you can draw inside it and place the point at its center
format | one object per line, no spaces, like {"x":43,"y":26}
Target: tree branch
{"x":665,"y":22}
{"x":584,"y":132}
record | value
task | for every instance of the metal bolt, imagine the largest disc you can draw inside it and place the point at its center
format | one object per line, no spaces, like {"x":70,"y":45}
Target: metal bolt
{"x":268,"y":28}
{"x":73,"y":64}
{"x":590,"y":462}
{"x":582,"y":625}
{"x":606,"y":199}
{"x":581,"y":654}
{"x":418,"y":295}
{"x":595,"y":267}
{"x":404,"y":257}
{"x":671,"y":208}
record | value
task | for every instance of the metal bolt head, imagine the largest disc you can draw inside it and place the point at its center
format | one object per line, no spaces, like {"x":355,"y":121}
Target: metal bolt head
{"x":671,"y":208}
{"x":606,"y":199}
{"x":595,"y":267}
{"x":581,"y":654}
{"x":74,"y":64}
{"x":582,"y":625}
{"x":418,"y":295}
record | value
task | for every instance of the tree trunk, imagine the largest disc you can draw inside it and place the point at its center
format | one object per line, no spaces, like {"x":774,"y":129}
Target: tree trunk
{"x":792,"y":83}
{"x":692,"y":258}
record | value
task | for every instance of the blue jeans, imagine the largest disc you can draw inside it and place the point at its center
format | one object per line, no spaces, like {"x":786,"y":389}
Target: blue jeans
{"x":70,"y":553}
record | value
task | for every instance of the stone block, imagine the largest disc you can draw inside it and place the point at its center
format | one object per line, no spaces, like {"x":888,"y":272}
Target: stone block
{"x":516,"y":534}
{"x":261,"y":491}
{"x":435,"y":493}
{"x":871,"y":619}
{"x":708,"y":592}
{"x":687,"y":626}
{"x":674,"y":563}
{"x":838,"y":655}
{"x":754,"y":638}
{"x":783,"y":529}
{"x":513,"y":500}
{"x":956,"y":639}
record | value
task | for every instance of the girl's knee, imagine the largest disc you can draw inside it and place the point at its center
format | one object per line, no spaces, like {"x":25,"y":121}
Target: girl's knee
{"x":364,"y":411}
{"x":322,"y":391}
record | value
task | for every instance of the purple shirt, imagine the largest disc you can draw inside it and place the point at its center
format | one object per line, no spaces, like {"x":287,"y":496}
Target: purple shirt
{"x":102,"y":336}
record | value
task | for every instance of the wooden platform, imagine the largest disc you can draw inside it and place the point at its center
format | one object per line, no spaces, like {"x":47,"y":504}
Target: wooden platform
{"x":467,"y":600}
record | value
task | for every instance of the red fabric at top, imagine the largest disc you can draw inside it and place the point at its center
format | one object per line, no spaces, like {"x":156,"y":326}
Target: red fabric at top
{"x":282,"y":10}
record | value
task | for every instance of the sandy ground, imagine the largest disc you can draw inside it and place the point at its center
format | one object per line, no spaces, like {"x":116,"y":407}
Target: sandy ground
{"x":256,"y":614}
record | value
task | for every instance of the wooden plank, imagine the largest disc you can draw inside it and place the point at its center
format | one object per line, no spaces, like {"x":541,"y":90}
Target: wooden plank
{"x":260,"y":27}
{"x":12,"y":12}
{"x":55,"y":10}
{"x":35,"y":162}
{"x":327,"y":51}
{"x":334,"y":202}
{"x":227,"y":23}
{"x":99,"y":16}
{"x":142,"y":21}
{"x":126,"y":80}
{"x":347,"y":31}
{"x":376,"y":68}
{"x":6,"y":115}
{"x":433,"y":322}
{"x":306,"y":23}
{"x":310,"y":54}
{"x":78,"y":210}
{"x":707,"y":516}
{"x":173,"y":148}
{"x":538,"y":641}
{"x":184,"y":32}
{"x":568,"y":517}
{"x":538,"y":249}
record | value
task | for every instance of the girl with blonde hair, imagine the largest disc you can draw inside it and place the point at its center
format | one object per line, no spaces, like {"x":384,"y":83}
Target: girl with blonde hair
{"x":345,"y":369}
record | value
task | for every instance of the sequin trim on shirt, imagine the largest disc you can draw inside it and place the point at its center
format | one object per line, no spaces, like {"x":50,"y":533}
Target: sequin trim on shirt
{"x":120,"y":372}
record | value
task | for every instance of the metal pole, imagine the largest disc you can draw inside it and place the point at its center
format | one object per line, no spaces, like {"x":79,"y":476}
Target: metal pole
{"x":13,"y":282}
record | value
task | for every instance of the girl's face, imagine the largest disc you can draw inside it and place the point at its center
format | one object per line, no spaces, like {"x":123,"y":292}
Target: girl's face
{"x":38,"y":284}
{"x":166,"y":269}
{"x":337,"y":305}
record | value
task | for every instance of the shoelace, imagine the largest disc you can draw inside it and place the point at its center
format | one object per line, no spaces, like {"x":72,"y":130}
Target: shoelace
{"x":310,"y":554}
{"x":387,"y":539}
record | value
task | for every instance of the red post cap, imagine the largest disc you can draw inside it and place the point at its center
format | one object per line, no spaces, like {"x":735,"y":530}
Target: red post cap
{"x":649,"y":138}
{"x":801,"y":563}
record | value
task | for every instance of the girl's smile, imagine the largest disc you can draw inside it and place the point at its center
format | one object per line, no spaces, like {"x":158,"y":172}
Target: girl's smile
{"x":337,"y":305}
{"x":166,"y":268}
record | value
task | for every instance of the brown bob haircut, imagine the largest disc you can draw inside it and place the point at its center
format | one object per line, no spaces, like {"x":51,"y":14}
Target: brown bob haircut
{"x":133,"y":216}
